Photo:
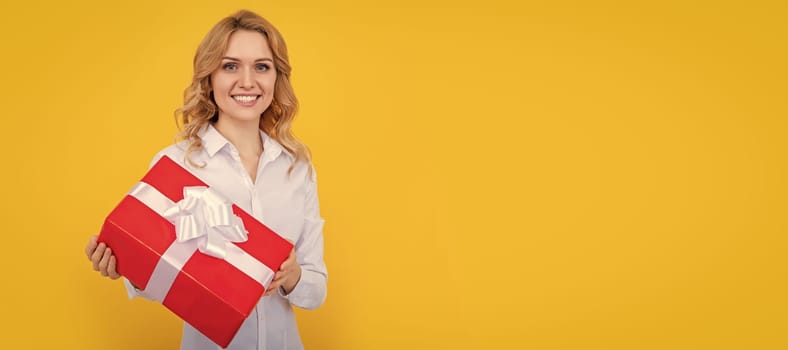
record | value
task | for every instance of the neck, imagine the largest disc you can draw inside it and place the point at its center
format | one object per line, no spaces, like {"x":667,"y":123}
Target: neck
{"x":245,"y":137}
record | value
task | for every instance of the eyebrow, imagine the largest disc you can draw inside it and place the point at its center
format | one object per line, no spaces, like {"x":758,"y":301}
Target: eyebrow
{"x":238,"y":60}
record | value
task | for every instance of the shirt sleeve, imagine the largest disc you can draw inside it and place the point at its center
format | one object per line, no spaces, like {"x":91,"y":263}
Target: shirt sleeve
{"x":134,"y":292}
{"x":310,"y":291}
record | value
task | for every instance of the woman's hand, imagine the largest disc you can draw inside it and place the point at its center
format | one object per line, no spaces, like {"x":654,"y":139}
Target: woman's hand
{"x":287,"y":277}
{"x":102,"y":258}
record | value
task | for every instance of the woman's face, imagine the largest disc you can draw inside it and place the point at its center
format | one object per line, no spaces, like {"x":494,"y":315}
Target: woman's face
{"x":243,"y":85}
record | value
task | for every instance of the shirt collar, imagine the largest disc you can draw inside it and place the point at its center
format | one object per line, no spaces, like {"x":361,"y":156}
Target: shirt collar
{"x":213,"y":141}
{"x":273,"y":146}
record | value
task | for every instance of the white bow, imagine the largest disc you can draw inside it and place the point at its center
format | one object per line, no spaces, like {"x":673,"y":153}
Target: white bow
{"x":206,"y":215}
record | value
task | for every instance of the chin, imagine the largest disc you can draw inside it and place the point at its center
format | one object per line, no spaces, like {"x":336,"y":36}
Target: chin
{"x":244,"y":117}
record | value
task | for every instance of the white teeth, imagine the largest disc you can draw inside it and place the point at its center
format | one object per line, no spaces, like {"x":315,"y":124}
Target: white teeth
{"x":245,"y":99}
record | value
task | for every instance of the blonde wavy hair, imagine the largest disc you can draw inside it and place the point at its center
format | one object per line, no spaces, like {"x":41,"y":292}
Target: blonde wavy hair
{"x":199,"y":107}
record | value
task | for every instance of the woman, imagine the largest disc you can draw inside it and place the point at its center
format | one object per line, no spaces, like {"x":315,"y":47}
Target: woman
{"x":236,"y":126}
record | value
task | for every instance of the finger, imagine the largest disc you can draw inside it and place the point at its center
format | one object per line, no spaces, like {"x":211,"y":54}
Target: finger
{"x":98,"y":253}
{"x":284,"y":265}
{"x":105,"y":262}
{"x":277,"y":276}
{"x":287,"y":264}
{"x":272,"y":288}
{"x":269,"y":291}
{"x":91,"y":246}
{"x":112,"y":268}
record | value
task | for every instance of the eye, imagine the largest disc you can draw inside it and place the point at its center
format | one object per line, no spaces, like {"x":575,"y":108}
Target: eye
{"x":230,"y":67}
{"x":262,"y":67}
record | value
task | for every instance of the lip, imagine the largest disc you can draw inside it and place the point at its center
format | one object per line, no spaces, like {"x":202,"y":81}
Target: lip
{"x":246,"y":104}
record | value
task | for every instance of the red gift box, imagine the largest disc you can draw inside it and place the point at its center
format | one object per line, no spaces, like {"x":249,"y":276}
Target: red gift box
{"x":214,"y":295}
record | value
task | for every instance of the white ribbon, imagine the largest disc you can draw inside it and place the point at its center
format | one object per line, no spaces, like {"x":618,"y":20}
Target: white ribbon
{"x":208,"y":217}
{"x":205,"y":225}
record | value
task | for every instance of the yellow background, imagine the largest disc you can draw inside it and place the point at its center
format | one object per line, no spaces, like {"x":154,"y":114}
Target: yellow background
{"x":494,"y":174}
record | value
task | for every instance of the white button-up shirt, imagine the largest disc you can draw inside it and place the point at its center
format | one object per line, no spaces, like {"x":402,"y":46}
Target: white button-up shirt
{"x":286,"y":204}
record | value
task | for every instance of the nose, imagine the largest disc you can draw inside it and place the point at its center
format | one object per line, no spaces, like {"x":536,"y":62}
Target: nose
{"x":246,"y":80}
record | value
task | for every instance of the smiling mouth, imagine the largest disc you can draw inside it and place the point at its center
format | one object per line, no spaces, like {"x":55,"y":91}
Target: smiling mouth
{"x":246,"y":100}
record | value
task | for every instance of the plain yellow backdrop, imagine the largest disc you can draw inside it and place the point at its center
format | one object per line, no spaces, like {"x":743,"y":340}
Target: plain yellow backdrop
{"x":494,"y":174}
